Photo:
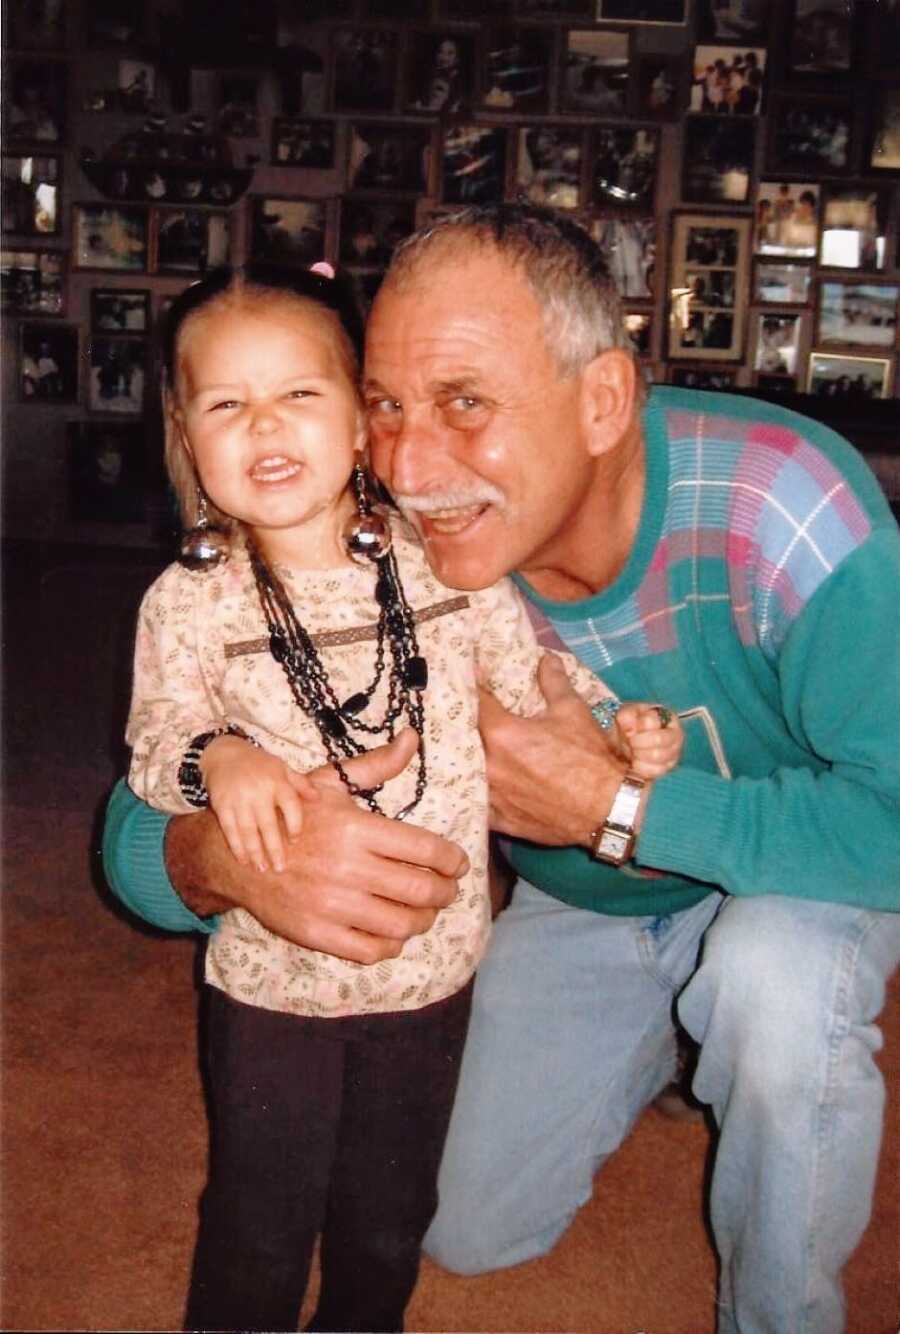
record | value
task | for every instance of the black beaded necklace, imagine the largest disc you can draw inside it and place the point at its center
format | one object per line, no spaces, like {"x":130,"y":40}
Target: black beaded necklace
{"x":292,"y":647}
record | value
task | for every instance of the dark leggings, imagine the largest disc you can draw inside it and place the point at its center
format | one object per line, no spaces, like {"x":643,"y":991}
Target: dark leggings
{"x":331,"y":1126}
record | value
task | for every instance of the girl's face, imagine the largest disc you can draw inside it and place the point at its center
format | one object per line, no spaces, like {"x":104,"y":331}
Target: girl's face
{"x":268,"y":412}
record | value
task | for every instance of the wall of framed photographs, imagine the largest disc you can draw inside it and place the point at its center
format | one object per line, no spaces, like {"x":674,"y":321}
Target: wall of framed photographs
{"x":738,"y":160}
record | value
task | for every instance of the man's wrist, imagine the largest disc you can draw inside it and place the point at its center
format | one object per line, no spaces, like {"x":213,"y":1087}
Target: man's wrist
{"x":608,"y":789}
{"x":185,"y":864}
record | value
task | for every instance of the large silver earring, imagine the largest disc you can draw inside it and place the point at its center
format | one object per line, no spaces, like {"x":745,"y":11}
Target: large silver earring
{"x":367,"y":535}
{"x":203,"y":547}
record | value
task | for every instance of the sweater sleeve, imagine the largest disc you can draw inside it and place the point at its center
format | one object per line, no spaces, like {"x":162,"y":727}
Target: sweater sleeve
{"x":172,"y":701}
{"x":134,"y":839}
{"x":508,"y":653}
{"x":829,"y":830}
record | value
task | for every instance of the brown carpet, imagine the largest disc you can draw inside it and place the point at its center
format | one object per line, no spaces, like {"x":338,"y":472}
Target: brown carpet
{"x":103,"y":1127}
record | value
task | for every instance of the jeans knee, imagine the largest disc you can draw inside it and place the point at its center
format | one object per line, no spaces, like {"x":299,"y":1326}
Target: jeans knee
{"x":457,"y":1250}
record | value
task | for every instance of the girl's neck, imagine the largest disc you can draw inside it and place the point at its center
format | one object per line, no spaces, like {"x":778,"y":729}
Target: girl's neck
{"x":314,"y":545}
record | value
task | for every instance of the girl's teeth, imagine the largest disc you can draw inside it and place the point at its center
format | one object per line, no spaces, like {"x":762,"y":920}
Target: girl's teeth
{"x":276,"y":470}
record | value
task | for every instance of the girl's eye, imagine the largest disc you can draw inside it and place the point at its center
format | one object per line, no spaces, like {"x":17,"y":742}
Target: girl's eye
{"x":300,"y":393}
{"x":226,"y":403}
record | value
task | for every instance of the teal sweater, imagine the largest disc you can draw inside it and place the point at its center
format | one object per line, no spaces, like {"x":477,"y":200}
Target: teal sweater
{"x":762,"y":601}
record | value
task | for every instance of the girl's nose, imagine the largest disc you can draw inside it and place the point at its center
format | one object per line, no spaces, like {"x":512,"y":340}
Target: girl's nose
{"x":264,"y":419}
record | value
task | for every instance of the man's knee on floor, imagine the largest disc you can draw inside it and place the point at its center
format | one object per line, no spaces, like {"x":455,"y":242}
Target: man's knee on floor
{"x":475,"y":1248}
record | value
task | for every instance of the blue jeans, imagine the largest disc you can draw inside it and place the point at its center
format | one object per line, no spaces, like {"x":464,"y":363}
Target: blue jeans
{"x":572,"y":1035}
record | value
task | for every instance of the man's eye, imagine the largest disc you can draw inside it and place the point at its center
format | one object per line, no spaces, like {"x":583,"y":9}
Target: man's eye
{"x":464,"y":403}
{"x":383,"y":406}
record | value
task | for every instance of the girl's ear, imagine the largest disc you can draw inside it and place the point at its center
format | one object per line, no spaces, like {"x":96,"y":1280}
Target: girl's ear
{"x":174,"y":423}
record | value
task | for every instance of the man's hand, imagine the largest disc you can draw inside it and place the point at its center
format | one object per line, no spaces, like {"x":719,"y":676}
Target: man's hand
{"x":355,"y":884}
{"x":552,"y":777}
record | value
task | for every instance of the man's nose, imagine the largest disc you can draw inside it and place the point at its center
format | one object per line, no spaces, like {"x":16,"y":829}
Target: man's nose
{"x":414,"y":458}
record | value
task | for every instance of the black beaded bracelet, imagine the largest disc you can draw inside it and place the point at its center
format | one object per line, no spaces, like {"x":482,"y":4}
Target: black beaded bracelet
{"x":190,"y":779}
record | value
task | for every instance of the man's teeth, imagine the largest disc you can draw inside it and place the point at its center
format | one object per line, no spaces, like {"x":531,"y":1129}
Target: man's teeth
{"x":274,"y":470}
{"x":454,"y":520}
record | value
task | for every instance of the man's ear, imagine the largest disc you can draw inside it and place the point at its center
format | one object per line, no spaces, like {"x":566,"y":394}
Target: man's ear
{"x":610,"y":398}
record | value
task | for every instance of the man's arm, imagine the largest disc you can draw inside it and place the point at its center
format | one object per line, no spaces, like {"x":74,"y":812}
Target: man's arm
{"x":356,"y":884}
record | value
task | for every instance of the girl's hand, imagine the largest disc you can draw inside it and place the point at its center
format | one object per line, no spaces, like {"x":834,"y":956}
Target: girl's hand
{"x":655,"y":737}
{"x":248,"y":788}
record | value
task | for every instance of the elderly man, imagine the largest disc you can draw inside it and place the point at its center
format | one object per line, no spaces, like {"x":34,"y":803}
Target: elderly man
{"x":733,"y":559}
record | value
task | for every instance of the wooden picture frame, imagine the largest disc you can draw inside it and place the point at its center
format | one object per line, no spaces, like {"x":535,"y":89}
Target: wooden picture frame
{"x":516,"y":73}
{"x":854,"y":227}
{"x":595,"y":71}
{"x":810,"y":136}
{"x":849,"y":378}
{"x":365,"y":64}
{"x":728,"y":80}
{"x":658,"y":87}
{"x":48,"y":363}
{"x":107,"y":471}
{"x":550,"y":161}
{"x":717,"y":159}
{"x":120,"y":310}
{"x":820,"y":38}
{"x":709,"y":265}
{"x":629,"y":247}
{"x":390,"y":157}
{"x":34,"y":103}
{"x":884,"y":130}
{"x":370,"y":228}
{"x":781,"y":284}
{"x":190,"y":241}
{"x":110,"y":237}
{"x":787,"y":219}
{"x":734,"y":20}
{"x":439,"y":71}
{"x":776,"y":343}
{"x":33,"y":282}
{"x":303,"y":141}
{"x":31,"y":195}
{"x":117,"y":375}
{"x":857,"y":314}
{"x":291,"y":230}
{"x":670,"y":12}
{"x":623,"y":166}
{"x":473,"y":164}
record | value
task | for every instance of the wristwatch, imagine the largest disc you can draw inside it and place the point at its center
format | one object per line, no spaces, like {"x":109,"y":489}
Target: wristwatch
{"x":614,"y":840}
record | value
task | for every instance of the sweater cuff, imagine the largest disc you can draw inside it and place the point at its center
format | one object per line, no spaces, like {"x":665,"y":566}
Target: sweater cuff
{"x":685,"y":825}
{"x":134,"y":839}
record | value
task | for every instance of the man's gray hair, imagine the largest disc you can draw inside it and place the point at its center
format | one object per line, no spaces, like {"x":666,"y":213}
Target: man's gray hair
{"x":564,"y":266}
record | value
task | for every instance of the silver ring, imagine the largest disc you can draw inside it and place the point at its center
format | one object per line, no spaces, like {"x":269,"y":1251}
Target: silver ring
{"x":665,"y":715}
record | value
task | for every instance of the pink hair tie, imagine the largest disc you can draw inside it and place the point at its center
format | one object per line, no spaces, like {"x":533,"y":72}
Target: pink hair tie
{"x":322,"y":266}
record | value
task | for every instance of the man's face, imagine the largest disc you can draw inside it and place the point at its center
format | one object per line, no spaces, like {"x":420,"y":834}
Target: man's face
{"x":477,"y":436}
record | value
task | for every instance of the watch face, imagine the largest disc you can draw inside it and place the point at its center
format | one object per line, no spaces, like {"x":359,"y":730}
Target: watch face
{"x":614,"y":846}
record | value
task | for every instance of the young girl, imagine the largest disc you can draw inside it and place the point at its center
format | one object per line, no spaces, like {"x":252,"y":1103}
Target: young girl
{"x":330,"y":1083}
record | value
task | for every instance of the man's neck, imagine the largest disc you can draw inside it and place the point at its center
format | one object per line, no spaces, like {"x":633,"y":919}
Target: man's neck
{"x":590,"y":556}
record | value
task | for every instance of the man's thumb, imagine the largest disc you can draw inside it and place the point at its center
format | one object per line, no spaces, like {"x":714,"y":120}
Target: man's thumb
{"x":555,"y":684}
{"x":377,"y":765}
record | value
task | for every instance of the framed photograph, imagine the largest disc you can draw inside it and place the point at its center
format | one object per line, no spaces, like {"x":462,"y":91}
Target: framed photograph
{"x":623,"y":170}
{"x":121,"y":310}
{"x":34,"y":103}
{"x":709,"y":272}
{"x":300,"y":142}
{"x":787,"y":219}
{"x":728,"y":80}
{"x":33,"y":282}
{"x":777,"y":346}
{"x":734,"y":20}
{"x":629,"y":247}
{"x":861,"y":314}
{"x":882,"y":43}
{"x":191,"y":240}
{"x":595,"y":72}
{"x":639,"y":326}
{"x":702,"y":377}
{"x":820,"y":37}
{"x":137,"y":85}
{"x":549,"y":165}
{"x":810,"y":136}
{"x":645,"y":11}
{"x":117,"y":372}
{"x":371,"y":228}
{"x":38,"y":26}
{"x":292,"y":230}
{"x":884,"y":141}
{"x":853,"y":379}
{"x":107,"y":471}
{"x":473,"y":164}
{"x":516,"y":69}
{"x":48,"y":363}
{"x":238,"y":97}
{"x":113,"y":23}
{"x":658,"y":87}
{"x":388,"y":156}
{"x":106,"y":236}
{"x":854,"y":227}
{"x":365,"y":69}
{"x":30,"y":195}
{"x":717,"y":159}
{"x":782,"y":284}
{"x":440,"y":70}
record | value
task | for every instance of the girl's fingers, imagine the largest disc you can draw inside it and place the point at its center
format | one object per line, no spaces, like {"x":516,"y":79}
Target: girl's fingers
{"x":231,"y":833}
{"x":292,"y":813}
